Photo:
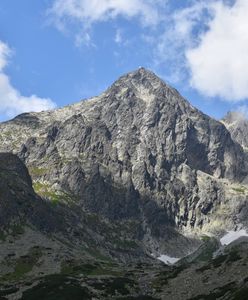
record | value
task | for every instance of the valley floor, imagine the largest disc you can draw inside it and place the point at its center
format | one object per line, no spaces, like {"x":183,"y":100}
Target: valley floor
{"x":224,"y":277}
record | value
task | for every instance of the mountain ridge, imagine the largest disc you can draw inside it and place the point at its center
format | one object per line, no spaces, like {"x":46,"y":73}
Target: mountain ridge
{"x":121,"y":139}
{"x":117,"y":181}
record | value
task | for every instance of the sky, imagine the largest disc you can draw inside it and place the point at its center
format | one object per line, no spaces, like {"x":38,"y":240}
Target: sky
{"x":57,"y":52}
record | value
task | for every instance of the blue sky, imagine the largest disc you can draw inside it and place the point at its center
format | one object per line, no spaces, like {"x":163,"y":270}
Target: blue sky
{"x":56,"y":52}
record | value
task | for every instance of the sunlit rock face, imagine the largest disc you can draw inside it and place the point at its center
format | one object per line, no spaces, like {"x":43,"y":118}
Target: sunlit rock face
{"x":137,"y":152}
{"x":134,"y":181}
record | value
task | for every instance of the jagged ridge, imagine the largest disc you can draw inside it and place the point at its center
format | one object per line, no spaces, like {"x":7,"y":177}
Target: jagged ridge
{"x":138,"y":151}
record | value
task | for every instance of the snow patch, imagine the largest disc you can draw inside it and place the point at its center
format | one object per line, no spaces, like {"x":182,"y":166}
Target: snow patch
{"x":168,"y":259}
{"x":232,"y":236}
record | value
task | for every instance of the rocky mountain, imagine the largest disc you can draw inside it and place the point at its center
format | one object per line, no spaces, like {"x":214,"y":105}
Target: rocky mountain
{"x":19,"y":203}
{"x":130,"y":175}
{"x":40,"y":262}
{"x":138,"y":150}
{"x":237,"y":124}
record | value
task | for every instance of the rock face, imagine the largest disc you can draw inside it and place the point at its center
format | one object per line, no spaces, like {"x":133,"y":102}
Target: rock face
{"x":139,"y":151}
{"x":237,"y":124}
{"x":19,"y":204}
{"x":111,"y":180}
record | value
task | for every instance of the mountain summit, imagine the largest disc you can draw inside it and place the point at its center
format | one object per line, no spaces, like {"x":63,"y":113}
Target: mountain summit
{"x":144,"y":85}
{"x":138,"y":140}
{"x":132,"y":172}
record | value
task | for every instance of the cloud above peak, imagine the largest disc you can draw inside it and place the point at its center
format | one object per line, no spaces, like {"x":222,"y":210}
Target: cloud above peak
{"x":83,"y":14}
{"x":219,"y":63}
{"x":207,"y":43}
{"x":89,"y":12}
{"x":203,"y":43}
{"x":11,"y":100}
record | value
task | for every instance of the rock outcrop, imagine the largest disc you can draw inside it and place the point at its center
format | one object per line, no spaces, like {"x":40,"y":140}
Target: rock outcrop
{"x":112,"y":182}
{"x":19,"y":204}
{"x":139,"y":151}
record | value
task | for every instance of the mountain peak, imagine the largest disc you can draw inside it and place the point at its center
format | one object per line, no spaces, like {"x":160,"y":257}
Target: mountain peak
{"x":142,"y":84}
{"x":142,"y":72}
{"x":142,"y":75}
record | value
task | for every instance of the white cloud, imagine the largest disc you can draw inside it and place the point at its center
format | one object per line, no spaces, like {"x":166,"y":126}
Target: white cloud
{"x":4,"y":54}
{"x":85,"y":13}
{"x":118,"y":36}
{"x":83,"y":38}
{"x":178,"y":35}
{"x":88,"y":12}
{"x":205,"y":42}
{"x":11,"y":101}
{"x":219,"y":63}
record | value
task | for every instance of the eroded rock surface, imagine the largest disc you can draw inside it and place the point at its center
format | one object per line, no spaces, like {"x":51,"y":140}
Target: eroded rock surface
{"x":137,"y":151}
{"x":133,"y":172}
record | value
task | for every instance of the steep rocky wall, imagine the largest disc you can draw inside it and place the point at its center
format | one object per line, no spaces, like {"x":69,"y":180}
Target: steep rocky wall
{"x":138,"y":151}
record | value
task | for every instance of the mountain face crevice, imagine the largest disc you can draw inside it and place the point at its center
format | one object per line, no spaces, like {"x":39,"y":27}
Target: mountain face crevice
{"x":138,"y":151}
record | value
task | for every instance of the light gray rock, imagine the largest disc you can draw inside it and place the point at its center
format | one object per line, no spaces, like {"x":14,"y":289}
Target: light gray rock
{"x":139,"y":151}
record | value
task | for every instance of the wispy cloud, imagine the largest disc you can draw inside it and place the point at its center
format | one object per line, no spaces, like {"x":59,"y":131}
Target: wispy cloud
{"x":89,"y":12}
{"x":118,"y":36}
{"x":203,"y":42}
{"x":84,"y":13}
{"x":181,"y":32}
{"x":12,"y":102}
{"x":207,"y":43}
